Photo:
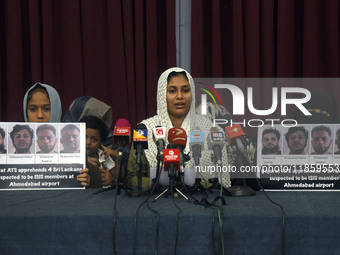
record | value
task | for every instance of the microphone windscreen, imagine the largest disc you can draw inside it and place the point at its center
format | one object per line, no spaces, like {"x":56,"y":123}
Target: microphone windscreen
{"x":178,"y":137}
{"x":141,"y":126}
{"x":122,"y":129}
{"x":123,"y":123}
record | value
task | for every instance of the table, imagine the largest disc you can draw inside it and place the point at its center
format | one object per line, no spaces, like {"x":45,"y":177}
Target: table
{"x":81,"y":222}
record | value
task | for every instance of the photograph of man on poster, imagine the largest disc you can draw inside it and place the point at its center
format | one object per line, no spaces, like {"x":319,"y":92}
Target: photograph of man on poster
{"x":22,"y":137}
{"x":296,"y":138}
{"x":321,"y":139}
{"x":270,"y":142}
{"x":70,"y":139}
{"x":46,"y":139}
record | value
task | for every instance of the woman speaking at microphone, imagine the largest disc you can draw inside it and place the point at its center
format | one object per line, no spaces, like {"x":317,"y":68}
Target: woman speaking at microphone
{"x":175,"y":108}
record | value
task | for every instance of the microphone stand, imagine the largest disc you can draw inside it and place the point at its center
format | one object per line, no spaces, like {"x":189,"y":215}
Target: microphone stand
{"x":172,"y":174}
{"x":242,"y":190}
{"x":216,"y":158}
{"x":119,"y":177}
{"x":139,"y":153}
{"x":155,"y":183}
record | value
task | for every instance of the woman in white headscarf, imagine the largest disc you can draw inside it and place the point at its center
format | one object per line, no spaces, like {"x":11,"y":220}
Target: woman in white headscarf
{"x":176,"y":108}
{"x":42,"y":104}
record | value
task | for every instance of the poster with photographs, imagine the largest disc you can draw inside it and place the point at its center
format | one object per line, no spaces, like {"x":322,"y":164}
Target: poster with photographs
{"x":301,"y":157}
{"x":41,"y":155}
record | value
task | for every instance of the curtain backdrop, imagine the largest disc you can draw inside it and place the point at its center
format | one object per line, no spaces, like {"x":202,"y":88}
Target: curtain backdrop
{"x":115,"y":50}
{"x":109,"y":49}
{"x":266,"y":38}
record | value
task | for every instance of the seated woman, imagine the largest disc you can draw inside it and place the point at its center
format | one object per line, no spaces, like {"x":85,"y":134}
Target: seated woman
{"x":176,"y":108}
{"x":101,"y":161}
{"x":42,"y":104}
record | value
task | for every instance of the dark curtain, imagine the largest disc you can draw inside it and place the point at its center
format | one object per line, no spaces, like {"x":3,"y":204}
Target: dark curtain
{"x":266,"y":38}
{"x":109,"y":49}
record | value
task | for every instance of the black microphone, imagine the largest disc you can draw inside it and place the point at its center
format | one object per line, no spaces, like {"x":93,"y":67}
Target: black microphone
{"x":122,"y":136}
{"x":158,"y":134}
{"x":140,"y":143}
{"x":121,"y":140}
{"x":216,"y":141}
{"x":177,"y":138}
{"x":236,"y":136}
{"x":196,"y":141}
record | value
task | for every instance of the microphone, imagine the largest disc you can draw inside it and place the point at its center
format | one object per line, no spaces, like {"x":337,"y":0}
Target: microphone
{"x":122,"y":135}
{"x":178,"y":139}
{"x":158,"y":134}
{"x":172,"y":163}
{"x":121,"y":140}
{"x":140,"y":143}
{"x":140,"y":140}
{"x":236,"y":136}
{"x":196,"y":141}
{"x":171,"y":160}
{"x":216,"y":141}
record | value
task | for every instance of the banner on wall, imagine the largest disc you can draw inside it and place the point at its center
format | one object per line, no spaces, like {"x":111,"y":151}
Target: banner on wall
{"x":37,"y":156}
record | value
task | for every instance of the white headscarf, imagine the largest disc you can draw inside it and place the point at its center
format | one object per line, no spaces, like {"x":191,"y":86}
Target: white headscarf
{"x":191,"y":121}
{"x":54,"y":98}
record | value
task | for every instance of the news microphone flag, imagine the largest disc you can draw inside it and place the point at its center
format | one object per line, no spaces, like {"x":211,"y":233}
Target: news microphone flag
{"x":196,"y":137}
{"x":140,"y":135}
{"x":233,"y":133}
{"x":196,"y":142}
{"x":215,"y":137}
{"x":158,"y":133}
{"x":171,"y":157}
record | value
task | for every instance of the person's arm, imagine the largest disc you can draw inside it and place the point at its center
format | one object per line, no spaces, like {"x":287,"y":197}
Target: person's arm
{"x":132,"y":178}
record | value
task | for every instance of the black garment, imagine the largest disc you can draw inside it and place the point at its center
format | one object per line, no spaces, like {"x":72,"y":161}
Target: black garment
{"x":95,"y":176}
